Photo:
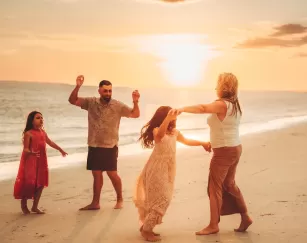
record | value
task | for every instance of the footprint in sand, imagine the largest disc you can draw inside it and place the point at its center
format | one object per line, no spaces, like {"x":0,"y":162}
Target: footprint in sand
{"x":296,"y":134}
{"x":267,"y":214}
{"x":66,"y":198}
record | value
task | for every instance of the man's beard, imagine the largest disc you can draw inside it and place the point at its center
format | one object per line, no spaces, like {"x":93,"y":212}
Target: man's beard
{"x":106,"y":99}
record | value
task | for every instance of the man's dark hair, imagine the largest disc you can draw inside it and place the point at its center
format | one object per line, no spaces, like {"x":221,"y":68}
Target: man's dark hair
{"x":104,"y":82}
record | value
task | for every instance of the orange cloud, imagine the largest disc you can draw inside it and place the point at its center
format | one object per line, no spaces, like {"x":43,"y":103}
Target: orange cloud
{"x":289,"y":30}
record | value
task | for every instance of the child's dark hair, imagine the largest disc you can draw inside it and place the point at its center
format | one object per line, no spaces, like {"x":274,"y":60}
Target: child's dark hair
{"x":147,"y":138}
{"x":29,"y":124}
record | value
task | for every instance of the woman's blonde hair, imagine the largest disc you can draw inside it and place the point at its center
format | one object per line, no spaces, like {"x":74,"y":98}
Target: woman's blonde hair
{"x":228,"y":90}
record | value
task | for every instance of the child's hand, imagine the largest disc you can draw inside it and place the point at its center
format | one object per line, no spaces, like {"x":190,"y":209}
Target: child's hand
{"x":37,"y":154}
{"x":63,"y":153}
{"x":172,"y":114}
{"x":207,"y":146}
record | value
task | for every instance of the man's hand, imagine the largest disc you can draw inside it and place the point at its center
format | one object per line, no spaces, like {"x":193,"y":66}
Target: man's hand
{"x":135,"y":96}
{"x":79,"y":80}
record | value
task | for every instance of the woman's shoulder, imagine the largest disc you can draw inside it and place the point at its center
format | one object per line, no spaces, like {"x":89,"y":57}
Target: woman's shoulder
{"x":223,"y":102}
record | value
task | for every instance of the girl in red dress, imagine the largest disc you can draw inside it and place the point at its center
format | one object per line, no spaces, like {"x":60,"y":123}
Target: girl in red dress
{"x":32,"y":175}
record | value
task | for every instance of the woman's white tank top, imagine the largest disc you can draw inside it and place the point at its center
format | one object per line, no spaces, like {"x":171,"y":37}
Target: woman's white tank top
{"x":225,"y":133}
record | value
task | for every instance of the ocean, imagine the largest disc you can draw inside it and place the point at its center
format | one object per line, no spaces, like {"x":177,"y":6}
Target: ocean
{"x":67,"y":125}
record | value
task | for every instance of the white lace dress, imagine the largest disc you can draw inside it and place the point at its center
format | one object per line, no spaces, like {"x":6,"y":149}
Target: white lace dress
{"x":155,"y":185}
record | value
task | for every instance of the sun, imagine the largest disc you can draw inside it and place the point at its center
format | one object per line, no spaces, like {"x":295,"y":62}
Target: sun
{"x":183,"y":57}
{"x":184,"y":64}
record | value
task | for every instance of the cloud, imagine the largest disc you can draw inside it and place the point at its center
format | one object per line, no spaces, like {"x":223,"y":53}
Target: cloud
{"x":293,"y":32}
{"x":301,"y":54}
{"x":270,"y":42}
{"x":289,"y":29}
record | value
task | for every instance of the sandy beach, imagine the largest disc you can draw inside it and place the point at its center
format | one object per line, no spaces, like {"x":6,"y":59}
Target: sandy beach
{"x":271,"y":175}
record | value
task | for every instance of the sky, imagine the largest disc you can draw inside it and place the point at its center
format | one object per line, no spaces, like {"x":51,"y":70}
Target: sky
{"x":155,"y":43}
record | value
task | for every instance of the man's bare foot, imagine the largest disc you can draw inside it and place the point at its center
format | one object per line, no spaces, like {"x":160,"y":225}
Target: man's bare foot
{"x":149,"y":236}
{"x":36,"y":210}
{"x":25,"y":209}
{"x":155,"y":234}
{"x":119,"y":204}
{"x":90,"y":207}
{"x":244,"y":225}
{"x":208,"y":230}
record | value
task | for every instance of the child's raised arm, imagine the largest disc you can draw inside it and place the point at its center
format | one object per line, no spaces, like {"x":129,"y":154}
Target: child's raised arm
{"x":55,"y":146}
{"x":192,"y":142}
{"x":161,"y":131}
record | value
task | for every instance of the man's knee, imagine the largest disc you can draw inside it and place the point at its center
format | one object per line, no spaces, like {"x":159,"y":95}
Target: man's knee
{"x":97,"y":174}
{"x":113,"y":174}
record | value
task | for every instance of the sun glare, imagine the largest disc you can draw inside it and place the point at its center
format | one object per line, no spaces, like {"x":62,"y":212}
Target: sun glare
{"x":183,"y":58}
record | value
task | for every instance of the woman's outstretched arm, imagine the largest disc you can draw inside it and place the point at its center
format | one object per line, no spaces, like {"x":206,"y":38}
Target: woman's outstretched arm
{"x":214,"y":107}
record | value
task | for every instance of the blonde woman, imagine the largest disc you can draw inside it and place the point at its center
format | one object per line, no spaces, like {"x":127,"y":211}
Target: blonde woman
{"x":224,"y":195}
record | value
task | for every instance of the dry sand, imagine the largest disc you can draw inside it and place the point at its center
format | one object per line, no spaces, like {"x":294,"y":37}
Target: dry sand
{"x":272,"y":175}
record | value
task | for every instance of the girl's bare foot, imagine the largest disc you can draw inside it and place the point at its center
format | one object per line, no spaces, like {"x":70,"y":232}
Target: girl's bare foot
{"x":24,"y":206}
{"x":119,"y":204}
{"x":38,"y":211}
{"x":208,"y":230}
{"x":90,"y":207}
{"x":155,"y":234}
{"x":245,"y":223}
{"x":149,"y":236}
{"x":25,"y":209}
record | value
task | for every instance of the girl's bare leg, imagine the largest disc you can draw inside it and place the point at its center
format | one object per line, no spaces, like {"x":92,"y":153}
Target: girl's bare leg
{"x":24,"y":206}
{"x":147,"y":228}
{"x":37,"y":197}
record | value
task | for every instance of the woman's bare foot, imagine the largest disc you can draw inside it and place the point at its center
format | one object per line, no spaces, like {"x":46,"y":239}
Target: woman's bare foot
{"x":90,"y":207}
{"x":245,"y":223}
{"x":149,"y":236}
{"x":155,"y":234}
{"x":119,"y":204}
{"x":36,"y":210}
{"x":208,"y":230}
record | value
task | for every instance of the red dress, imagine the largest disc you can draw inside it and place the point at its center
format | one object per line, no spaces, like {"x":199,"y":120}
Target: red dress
{"x":33,"y":171}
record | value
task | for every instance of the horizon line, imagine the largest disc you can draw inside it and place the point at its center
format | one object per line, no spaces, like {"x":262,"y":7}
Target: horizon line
{"x":177,"y":88}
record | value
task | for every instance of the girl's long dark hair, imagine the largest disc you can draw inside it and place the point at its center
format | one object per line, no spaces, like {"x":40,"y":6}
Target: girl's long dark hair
{"x":147,"y":138}
{"x":29,"y":124}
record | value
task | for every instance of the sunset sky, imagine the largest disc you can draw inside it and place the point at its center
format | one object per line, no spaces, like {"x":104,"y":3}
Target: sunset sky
{"x":151,"y":43}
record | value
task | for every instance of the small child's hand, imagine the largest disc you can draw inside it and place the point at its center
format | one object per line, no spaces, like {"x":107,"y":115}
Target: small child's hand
{"x":207,"y":146}
{"x":172,"y":114}
{"x":37,"y":154}
{"x":63,"y":153}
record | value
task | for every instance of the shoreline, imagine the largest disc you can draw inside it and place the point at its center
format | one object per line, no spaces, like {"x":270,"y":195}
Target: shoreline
{"x":8,"y":170}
